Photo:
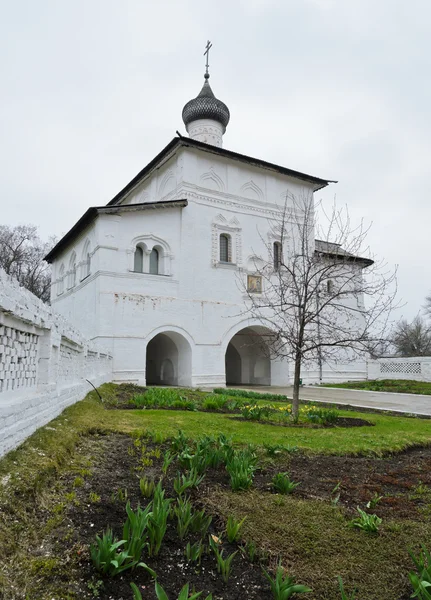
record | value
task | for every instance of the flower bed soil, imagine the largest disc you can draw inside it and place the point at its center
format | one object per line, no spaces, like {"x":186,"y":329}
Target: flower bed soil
{"x":117,"y":470}
{"x":339,"y":422}
{"x":117,"y":465}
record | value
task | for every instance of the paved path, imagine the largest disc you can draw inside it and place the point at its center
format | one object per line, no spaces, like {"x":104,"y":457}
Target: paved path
{"x":405,"y":403}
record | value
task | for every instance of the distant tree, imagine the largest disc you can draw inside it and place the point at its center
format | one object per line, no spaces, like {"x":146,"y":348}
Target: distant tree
{"x":427,"y":306}
{"x":21,"y":256}
{"x":320,"y":298}
{"x":412,"y":339}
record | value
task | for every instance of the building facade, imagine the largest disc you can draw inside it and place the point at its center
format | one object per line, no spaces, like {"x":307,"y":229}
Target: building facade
{"x":160,"y":274}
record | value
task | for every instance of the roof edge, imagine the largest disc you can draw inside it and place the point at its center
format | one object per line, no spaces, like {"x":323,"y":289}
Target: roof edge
{"x":367,"y":262}
{"x":89,"y":216}
{"x":189,"y":142}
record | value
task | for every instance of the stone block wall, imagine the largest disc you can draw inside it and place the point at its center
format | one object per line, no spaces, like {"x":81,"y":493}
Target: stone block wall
{"x":44,"y":363}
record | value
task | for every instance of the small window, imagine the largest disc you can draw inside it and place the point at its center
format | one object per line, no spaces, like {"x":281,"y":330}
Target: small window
{"x":277,"y":255}
{"x":225,"y":248}
{"x":154,"y":262}
{"x":329,"y":286}
{"x":138,"y":265}
{"x":88,"y":265}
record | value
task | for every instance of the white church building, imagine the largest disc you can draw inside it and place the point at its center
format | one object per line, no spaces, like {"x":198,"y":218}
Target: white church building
{"x":156,"y":275}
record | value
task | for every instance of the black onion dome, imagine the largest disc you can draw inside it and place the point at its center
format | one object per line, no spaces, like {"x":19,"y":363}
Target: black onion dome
{"x":206,"y":106}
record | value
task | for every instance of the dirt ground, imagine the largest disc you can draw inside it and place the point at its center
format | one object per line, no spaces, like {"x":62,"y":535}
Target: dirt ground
{"x":401,"y":480}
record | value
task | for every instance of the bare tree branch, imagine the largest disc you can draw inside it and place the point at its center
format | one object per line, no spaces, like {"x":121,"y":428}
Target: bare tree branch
{"x":324,"y":299}
{"x":21,"y":256}
{"x":412,"y":339}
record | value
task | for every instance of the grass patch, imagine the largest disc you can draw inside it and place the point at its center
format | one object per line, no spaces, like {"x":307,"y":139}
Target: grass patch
{"x":40,"y":480}
{"x":399,"y":386}
{"x":316,"y":544}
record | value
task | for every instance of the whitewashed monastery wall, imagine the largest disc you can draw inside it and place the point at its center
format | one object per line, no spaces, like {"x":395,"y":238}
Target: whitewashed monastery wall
{"x":44,"y":364}
{"x":417,"y":368}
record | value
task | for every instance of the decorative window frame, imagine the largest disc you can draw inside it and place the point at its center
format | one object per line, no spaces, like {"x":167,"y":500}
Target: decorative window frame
{"x":274,"y":237}
{"x":147,"y":242}
{"x":71,"y":274}
{"x":253,"y":273}
{"x":85,"y":265}
{"x":232,"y":228}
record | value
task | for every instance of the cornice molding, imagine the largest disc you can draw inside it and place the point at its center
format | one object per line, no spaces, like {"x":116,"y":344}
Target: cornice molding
{"x":234,"y":203}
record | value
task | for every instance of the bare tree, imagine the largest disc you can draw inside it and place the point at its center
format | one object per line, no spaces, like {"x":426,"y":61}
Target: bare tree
{"x":315,"y":298}
{"x":412,"y":339}
{"x":427,"y":305}
{"x":21,"y":256}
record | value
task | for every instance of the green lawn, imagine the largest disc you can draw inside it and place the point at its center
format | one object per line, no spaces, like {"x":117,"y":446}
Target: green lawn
{"x":316,"y":539}
{"x":400,"y":386}
{"x":34,"y":498}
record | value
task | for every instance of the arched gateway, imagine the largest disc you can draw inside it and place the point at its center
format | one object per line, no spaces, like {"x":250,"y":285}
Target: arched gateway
{"x":247,"y":358}
{"x":169,"y":360}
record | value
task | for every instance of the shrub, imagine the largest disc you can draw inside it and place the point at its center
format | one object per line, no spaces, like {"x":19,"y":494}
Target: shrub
{"x":256,"y":412}
{"x":167,"y":461}
{"x":184,"y":513}
{"x":109,"y":559}
{"x":183,"y":482}
{"x":184,"y":594}
{"x":232,"y":528}
{"x":200,"y":522}
{"x":158,"y":519}
{"x":180,"y":442}
{"x":273,"y":449}
{"x":147,"y":487}
{"x":254,"y":395}
{"x":241,"y":468}
{"x":194,"y":552}
{"x":224,"y":565}
{"x":366,"y":522}
{"x":184,"y":404}
{"x":282,"y":483}
{"x":421,"y":581}
{"x":283,"y":586}
{"x":374,"y":501}
{"x":215,"y":402}
{"x":135,"y":531}
{"x":323,"y":416}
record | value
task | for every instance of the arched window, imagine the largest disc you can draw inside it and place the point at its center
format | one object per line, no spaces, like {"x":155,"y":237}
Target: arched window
{"x":329,"y":286}
{"x":154,"y":262}
{"x":60,"y":282}
{"x":72,"y":271}
{"x":277,"y":255}
{"x":87,"y":264}
{"x":138,"y":260}
{"x":86,"y":261}
{"x":225,"y":248}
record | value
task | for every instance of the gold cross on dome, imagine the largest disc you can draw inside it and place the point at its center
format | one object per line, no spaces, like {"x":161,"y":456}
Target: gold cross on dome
{"x":207,"y":52}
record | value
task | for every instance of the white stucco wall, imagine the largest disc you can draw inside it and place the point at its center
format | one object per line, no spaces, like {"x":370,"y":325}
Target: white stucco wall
{"x":195,"y":296}
{"x":413,"y":368}
{"x":44,"y":363}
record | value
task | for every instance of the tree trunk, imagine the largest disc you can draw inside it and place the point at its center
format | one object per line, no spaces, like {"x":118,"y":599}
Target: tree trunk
{"x":296,"y":381}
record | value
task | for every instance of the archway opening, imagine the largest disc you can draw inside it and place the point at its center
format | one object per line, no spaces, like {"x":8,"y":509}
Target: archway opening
{"x":247,"y":358}
{"x":168,"y":360}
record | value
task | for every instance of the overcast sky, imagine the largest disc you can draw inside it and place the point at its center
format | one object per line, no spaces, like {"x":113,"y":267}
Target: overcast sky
{"x":92,"y":90}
